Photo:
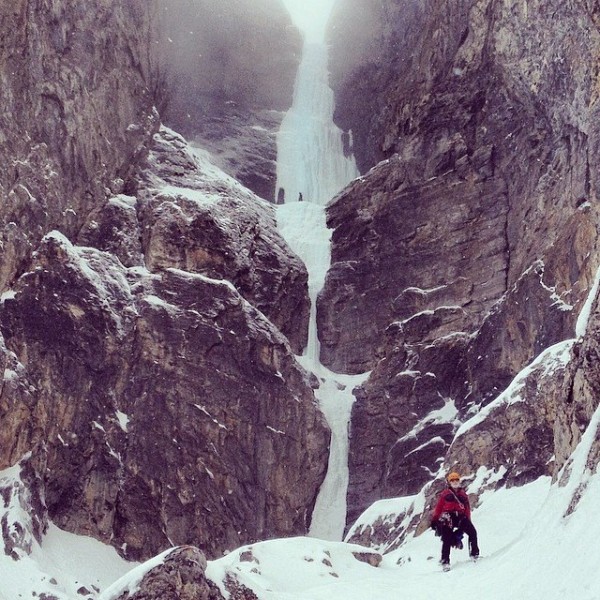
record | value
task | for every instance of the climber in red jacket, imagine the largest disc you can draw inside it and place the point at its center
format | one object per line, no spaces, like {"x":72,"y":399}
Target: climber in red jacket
{"x":452,"y":517}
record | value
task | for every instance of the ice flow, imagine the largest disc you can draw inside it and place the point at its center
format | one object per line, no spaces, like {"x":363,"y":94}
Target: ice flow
{"x":311,"y":169}
{"x":311,"y":164}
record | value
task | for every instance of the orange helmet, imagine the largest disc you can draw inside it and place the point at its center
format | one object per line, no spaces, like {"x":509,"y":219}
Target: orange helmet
{"x":453,"y":477}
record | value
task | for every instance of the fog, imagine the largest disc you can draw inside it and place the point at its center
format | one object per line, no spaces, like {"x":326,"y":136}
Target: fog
{"x":214,"y":53}
{"x":229,"y":59}
{"x":310,"y":16}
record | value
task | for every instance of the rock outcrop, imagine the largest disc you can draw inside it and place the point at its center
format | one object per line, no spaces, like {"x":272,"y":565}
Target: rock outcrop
{"x":24,"y":518}
{"x":193,"y":218}
{"x":471,"y":247}
{"x":387,"y":240}
{"x":172,"y":410}
{"x":178,"y":574}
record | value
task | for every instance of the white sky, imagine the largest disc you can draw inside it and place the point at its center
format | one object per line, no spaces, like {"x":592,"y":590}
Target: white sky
{"x":310,"y":15}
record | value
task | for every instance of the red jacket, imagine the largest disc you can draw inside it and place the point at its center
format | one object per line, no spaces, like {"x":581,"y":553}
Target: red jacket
{"x":451,"y":500}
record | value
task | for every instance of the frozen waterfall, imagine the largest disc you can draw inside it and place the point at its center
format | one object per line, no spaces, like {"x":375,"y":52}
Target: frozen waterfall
{"x":311,"y":168}
{"x":311,"y":164}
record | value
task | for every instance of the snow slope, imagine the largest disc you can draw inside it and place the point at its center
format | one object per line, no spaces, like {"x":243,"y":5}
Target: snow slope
{"x":533,"y":547}
{"x":61,"y":566}
{"x":530,"y":551}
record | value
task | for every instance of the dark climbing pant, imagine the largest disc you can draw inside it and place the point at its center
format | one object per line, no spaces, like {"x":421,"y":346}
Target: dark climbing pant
{"x":465,"y":526}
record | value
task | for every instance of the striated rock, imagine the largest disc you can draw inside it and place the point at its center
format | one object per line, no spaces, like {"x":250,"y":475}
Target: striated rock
{"x":471,"y":244}
{"x":407,"y":413}
{"x":387,"y":240}
{"x":193,"y":219}
{"x":463,"y":115}
{"x":172,"y":410}
{"x":517,"y":433}
{"x":70,"y":132}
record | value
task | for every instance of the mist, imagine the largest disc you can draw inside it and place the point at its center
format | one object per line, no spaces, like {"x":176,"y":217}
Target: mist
{"x":228,"y":72}
{"x":214,"y":52}
{"x":310,"y":16}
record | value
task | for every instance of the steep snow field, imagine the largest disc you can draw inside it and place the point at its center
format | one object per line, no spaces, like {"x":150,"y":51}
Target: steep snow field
{"x":63,"y":564}
{"x":532,"y":547}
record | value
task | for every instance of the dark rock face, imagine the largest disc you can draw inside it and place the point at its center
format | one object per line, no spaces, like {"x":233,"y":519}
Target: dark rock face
{"x":386,"y":263}
{"x":173,"y":411}
{"x":229,"y":72}
{"x":407,"y":413}
{"x":472,"y":246}
{"x":141,"y":291}
{"x":473,"y":93}
{"x":61,"y":147}
{"x":243,"y":143}
{"x":467,"y":124}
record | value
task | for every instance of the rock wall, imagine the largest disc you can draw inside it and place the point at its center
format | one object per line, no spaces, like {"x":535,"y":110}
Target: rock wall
{"x":193,"y":220}
{"x":169,"y":409}
{"x":60,"y":146}
{"x":149,"y":310}
{"x":471,"y":245}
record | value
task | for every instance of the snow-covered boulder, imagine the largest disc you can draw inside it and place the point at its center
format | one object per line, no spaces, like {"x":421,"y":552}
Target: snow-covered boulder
{"x":293,"y":566}
{"x":176,"y":574}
